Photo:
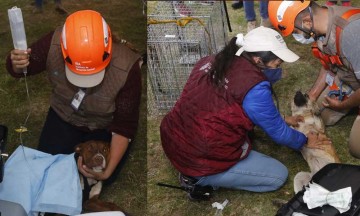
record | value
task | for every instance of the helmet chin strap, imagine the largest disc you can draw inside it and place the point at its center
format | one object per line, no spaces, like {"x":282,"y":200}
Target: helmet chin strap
{"x":311,"y":31}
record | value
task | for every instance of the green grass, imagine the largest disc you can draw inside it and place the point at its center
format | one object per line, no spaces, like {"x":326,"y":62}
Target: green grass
{"x":297,"y":76}
{"x":135,"y":189}
{"x":127,"y":21}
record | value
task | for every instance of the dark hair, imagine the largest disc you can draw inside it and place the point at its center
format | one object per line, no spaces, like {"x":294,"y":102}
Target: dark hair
{"x":225,"y":57}
{"x":222,"y":62}
{"x":266,"y":56}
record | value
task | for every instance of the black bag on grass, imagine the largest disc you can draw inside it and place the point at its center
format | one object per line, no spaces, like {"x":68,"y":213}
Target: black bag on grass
{"x":332,"y":177}
{"x":3,"y":137}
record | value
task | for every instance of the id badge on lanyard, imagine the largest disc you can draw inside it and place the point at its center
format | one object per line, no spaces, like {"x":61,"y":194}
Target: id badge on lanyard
{"x":77,"y":99}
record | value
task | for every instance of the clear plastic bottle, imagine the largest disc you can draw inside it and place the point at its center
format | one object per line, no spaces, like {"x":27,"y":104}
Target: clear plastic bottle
{"x":17,"y":29}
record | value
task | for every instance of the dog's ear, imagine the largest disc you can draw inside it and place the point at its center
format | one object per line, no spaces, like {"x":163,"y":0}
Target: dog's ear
{"x":78,"y":147}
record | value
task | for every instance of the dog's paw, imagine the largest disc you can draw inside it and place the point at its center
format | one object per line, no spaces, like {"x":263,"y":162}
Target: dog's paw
{"x":300,"y":180}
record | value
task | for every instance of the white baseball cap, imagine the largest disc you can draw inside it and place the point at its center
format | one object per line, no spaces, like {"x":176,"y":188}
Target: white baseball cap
{"x":265,"y":39}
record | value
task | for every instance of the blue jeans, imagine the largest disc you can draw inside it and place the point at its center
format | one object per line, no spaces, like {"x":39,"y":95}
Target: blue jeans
{"x":250,"y":12}
{"x":257,"y":172}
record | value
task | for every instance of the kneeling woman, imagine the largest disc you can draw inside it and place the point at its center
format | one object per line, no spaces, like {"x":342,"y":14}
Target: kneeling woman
{"x":205,"y":135}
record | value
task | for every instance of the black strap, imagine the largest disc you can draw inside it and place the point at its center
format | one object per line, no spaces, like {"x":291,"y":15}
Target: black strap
{"x":170,"y":186}
{"x":227,"y":16}
{"x":86,"y":190}
{"x":87,"y":187}
{"x":3,"y":138}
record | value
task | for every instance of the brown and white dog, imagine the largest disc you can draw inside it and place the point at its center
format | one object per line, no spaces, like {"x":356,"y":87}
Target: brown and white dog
{"x":95,"y":155}
{"x":316,"y":158}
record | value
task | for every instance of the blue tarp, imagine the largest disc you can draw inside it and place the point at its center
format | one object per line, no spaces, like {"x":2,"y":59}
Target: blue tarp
{"x":42,"y":182}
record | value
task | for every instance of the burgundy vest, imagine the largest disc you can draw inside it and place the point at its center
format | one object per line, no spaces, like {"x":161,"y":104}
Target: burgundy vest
{"x":206,"y":130}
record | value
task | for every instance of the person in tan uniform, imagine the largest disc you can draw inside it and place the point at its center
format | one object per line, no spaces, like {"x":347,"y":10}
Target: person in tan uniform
{"x":96,"y":88}
{"x":333,"y":32}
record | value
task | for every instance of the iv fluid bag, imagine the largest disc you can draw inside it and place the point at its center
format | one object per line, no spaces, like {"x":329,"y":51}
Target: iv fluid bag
{"x":17,"y":28}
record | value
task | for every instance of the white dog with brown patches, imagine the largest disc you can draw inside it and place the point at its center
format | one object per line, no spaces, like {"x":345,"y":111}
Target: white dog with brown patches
{"x":316,"y":158}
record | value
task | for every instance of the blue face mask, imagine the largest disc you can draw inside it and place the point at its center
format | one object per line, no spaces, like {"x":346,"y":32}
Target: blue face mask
{"x":300,"y":38}
{"x":273,"y":74}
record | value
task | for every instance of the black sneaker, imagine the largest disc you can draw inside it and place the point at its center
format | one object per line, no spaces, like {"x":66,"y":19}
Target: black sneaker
{"x":195,"y":192}
{"x":187,"y":181}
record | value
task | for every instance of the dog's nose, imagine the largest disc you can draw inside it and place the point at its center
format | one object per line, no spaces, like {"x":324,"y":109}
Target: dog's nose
{"x":98,"y":159}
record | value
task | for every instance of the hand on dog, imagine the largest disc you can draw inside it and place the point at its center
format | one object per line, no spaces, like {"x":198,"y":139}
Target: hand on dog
{"x":317,"y":141}
{"x":89,"y":173}
{"x":332,"y":103}
{"x":294,"y":120}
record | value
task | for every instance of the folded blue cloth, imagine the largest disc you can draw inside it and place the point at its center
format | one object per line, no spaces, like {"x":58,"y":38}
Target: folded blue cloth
{"x":42,"y":182}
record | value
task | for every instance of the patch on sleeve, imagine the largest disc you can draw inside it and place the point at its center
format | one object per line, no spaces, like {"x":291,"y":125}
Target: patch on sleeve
{"x":206,"y":67}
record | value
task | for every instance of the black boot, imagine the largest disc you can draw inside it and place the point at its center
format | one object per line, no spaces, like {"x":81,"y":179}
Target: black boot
{"x":195,"y":192}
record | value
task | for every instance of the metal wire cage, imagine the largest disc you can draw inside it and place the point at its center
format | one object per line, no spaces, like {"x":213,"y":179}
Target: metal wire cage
{"x":179,"y":34}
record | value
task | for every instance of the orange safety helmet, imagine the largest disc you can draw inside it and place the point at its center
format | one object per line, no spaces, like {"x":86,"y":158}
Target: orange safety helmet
{"x":86,"y":44}
{"x":282,"y":14}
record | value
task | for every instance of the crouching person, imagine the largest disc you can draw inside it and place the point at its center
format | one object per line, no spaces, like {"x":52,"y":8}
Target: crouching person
{"x":205,"y":135}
